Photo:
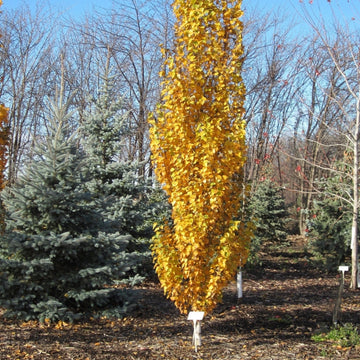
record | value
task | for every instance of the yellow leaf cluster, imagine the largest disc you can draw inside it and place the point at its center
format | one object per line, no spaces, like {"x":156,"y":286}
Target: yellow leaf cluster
{"x":198,"y":147}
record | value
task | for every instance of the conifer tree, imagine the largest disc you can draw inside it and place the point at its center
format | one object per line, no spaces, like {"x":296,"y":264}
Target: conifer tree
{"x":198,"y":146}
{"x":58,"y":258}
{"x":268,"y":209}
{"x":268,"y":212}
{"x":329,"y":232}
{"x":127,"y":208}
{"x":328,"y":223}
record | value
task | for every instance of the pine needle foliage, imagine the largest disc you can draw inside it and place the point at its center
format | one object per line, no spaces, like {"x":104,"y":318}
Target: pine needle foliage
{"x":59,"y":259}
{"x":269,"y":215}
{"x":127,"y":207}
{"x":268,"y":209}
{"x":329,"y":222}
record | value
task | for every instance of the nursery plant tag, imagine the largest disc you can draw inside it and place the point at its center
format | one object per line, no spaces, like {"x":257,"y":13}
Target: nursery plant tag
{"x":196,"y":317}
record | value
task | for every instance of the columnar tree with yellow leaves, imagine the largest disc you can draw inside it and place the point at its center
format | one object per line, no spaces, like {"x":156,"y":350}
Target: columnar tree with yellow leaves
{"x":198,"y":146}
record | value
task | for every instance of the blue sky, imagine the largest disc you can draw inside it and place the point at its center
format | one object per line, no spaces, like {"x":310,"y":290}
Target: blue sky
{"x":73,"y":7}
{"x":343,"y":10}
{"x":346,"y":10}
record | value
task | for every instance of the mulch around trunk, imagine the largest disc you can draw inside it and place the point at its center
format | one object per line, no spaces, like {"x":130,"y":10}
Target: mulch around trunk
{"x":283,"y":305}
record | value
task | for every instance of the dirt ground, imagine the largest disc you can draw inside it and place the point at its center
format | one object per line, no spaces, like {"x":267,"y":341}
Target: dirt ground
{"x":282,"y":307}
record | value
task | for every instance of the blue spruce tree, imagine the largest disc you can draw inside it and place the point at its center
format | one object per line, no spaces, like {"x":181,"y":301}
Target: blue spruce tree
{"x":329,"y":222}
{"x":58,"y":258}
{"x":129,"y":208}
{"x":268,"y":212}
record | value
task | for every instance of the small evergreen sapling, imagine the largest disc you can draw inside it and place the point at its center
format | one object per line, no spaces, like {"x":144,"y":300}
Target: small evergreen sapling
{"x":329,"y":225}
{"x":268,"y":211}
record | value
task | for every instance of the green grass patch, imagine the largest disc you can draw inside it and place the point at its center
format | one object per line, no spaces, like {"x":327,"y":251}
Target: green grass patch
{"x":345,"y":336}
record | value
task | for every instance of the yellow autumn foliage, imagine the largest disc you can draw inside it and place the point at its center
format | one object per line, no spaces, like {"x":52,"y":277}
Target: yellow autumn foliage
{"x":198,"y":146}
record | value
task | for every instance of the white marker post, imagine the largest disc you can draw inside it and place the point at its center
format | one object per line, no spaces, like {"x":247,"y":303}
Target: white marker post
{"x":343,"y":269}
{"x":337,"y":308}
{"x":196,"y":317}
{"x":239,"y":284}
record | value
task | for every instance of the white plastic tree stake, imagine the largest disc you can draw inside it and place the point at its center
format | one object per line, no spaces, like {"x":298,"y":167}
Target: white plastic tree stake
{"x":337,"y":307}
{"x":239,"y":284}
{"x":196,"y":317}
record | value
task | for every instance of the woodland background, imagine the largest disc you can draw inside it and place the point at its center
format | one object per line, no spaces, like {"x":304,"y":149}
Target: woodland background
{"x":58,"y":77}
{"x":298,"y":104}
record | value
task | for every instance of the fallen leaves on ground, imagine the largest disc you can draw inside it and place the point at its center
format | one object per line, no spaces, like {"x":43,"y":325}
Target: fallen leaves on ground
{"x":283,"y":306}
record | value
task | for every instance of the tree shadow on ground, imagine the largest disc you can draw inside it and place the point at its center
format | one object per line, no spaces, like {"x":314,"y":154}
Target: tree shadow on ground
{"x":282,"y":307}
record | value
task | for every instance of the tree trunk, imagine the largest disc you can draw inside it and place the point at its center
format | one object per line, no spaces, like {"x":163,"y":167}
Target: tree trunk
{"x":354,"y":253}
{"x":354,"y":232}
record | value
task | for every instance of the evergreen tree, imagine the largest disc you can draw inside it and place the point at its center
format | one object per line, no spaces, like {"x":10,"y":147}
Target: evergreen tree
{"x":129,"y":209}
{"x":59,"y":256}
{"x":329,"y":232}
{"x":268,"y":211}
{"x":329,"y":222}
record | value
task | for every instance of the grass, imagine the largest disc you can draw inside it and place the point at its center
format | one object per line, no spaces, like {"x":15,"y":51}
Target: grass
{"x":344,"y":336}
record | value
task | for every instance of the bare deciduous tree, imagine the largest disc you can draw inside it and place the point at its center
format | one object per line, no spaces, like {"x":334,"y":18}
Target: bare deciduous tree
{"x":27,"y":63}
{"x":133,"y":33}
{"x":269,"y":75}
{"x":335,"y":110}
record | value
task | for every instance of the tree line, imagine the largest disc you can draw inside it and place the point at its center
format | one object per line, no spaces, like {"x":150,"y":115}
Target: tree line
{"x":293,"y":84}
{"x":301,"y":107}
